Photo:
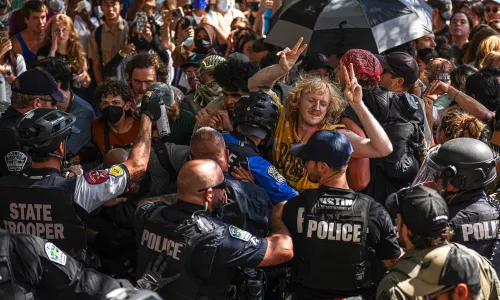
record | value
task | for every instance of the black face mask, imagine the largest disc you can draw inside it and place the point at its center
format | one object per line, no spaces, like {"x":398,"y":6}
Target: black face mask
{"x":112,"y":114}
{"x":140,"y":43}
{"x":254,"y":6}
{"x":202,"y":45}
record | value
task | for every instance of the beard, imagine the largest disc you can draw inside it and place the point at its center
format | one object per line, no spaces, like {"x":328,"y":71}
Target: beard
{"x":217,"y":205}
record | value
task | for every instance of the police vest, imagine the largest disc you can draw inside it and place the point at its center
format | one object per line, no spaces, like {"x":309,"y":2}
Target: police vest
{"x":239,"y":150}
{"x":47,"y":212}
{"x":475,"y":226}
{"x":333,"y":229}
{"x":163,"y":234}
{"x":9,"y":288}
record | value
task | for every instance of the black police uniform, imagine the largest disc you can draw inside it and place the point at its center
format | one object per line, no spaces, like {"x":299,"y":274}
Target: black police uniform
{"x":339,"y":237}
{"x":474,"y":221}
{"x":243,"y":152}
{"x":202,"y":251}
{"x":31,"y":268}
{"x":41,"y":202}
{"x":12,"y":159}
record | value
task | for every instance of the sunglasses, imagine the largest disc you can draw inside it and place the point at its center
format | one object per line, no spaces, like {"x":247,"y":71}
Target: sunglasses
{"x":219,"y":186}
{"x":438,"y":293}
{"x":488,"y":10}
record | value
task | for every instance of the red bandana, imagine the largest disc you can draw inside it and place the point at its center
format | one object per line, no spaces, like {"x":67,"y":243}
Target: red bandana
{"x":366,"y":66}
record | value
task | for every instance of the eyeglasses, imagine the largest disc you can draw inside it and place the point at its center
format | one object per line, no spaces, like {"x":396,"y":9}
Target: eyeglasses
{"x":488,"y":10}
{"x":219,"y":186}
{"x":438,"y":293}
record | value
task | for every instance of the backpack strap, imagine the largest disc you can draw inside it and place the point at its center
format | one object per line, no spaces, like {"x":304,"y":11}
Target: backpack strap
{"x":107,"y":144}
{"x":98,"y":39}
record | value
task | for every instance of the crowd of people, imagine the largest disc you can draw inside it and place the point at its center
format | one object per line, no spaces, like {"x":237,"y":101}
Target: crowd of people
{"x":167,"y":146}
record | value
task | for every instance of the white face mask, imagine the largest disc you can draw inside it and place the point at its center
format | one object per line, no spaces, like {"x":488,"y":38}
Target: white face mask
{"x":225,"y":5}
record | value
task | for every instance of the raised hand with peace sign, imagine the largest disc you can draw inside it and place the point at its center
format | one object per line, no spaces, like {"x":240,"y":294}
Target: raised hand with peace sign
{"x":353,"y":92}
{"x":289,"y":57}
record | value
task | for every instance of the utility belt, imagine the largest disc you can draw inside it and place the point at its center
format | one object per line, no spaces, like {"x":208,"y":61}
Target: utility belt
{"x":248,"y":284}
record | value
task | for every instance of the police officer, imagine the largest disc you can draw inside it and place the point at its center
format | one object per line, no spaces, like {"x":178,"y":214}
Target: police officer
{"x":255,"y":118}
{"x":423,"y":226}
{"x":41,"y":202}
{"x":30,"y":90}
{"x":339,"y":235}
{"x":460,"y":169}
{"x":204,"y":252}
{"x":33,"y":268}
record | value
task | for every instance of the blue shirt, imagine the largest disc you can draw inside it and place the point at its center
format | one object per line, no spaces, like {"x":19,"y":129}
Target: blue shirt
{"x":265,"y":174}
{"x":81,"y":132}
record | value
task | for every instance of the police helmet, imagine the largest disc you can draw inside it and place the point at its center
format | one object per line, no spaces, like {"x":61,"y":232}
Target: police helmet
{"x":257,"y":110}
{"x":42,"y":130}
{"x":132,"y":294}
{"x":466,"y":163}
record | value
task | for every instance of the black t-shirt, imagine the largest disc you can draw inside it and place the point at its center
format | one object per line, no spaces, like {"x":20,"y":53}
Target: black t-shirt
{"x":381,"y":236}
{"x":443,"y":32}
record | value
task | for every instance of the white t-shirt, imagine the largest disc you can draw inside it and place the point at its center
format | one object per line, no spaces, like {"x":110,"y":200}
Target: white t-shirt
{"x":21,"y":68}
{"x":83,"y":31}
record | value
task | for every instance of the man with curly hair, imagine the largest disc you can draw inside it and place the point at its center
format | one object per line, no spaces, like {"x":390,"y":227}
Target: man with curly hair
{"x":117,"y":126}
{"x":232,"y":76}
{"x":315,"y":104}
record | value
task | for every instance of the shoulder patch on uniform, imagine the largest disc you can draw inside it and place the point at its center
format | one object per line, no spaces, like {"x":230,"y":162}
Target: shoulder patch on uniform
{"x":275,"y":174}
{"x":96,"y":176}
{"x":55,"y":254}
{"x":116,"y":171}
{"x":239,"y":233}
{"x":16,"y":161}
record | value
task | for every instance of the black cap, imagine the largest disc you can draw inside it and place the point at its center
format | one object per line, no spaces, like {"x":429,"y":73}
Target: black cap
{"x":329,"y":146}
{"x":423,"y":211}
{"x":442,"y":268}
{"x":38,"y":82}
{"x":193,"y":60}
{"x":401,"y":64}
{"x":444,"y":7}
{"x":314,"y":61}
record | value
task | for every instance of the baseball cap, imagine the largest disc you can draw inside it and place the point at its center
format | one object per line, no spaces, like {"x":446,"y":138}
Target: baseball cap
{"x":400,"y":64}
{"x":442,"y":268}
{"x":487,"y":1}
{"x":239,"y":56}
{"x":329,"y":146}
{"x":444,"y":7}
{"x":38,"y":82}
{"x":255,"y":131}
{"x":315,"y":61}
{"x":423,"y":211}
{"x":193,"y":60}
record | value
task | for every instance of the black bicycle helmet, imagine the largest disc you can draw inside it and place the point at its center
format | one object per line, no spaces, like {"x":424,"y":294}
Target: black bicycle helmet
{"x":42,"y":130}
{"x":467,"y":163}
{"x":256,"y":109}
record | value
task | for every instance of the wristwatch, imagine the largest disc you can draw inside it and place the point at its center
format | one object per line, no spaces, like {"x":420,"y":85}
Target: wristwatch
{"x":8,"y":73}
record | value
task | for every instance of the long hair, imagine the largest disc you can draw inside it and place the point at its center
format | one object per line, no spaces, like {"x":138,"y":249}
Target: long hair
{"x":316,"y":85}
{"x":76,"y":55}
{"x":488,"y":45}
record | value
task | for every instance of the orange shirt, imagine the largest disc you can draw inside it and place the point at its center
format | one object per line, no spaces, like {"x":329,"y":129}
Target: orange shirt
{"x":115,"y":139}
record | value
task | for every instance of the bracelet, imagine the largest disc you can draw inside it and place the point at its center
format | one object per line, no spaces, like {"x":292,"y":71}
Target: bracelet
{"x":456,"y":95}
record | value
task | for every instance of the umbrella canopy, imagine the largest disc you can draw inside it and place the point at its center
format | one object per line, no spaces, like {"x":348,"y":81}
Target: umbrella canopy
{"x":335,"y":26}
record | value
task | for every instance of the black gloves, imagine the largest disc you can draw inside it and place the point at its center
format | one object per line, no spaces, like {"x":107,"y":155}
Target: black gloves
{"x":157,"y":94}
{"x":153,"y":277}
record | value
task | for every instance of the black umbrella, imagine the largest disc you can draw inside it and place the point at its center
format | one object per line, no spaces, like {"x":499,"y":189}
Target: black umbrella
{"x":335,"y":26}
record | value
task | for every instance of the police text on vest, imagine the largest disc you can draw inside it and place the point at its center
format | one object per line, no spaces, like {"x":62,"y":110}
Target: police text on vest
{"x":153,"y":242}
